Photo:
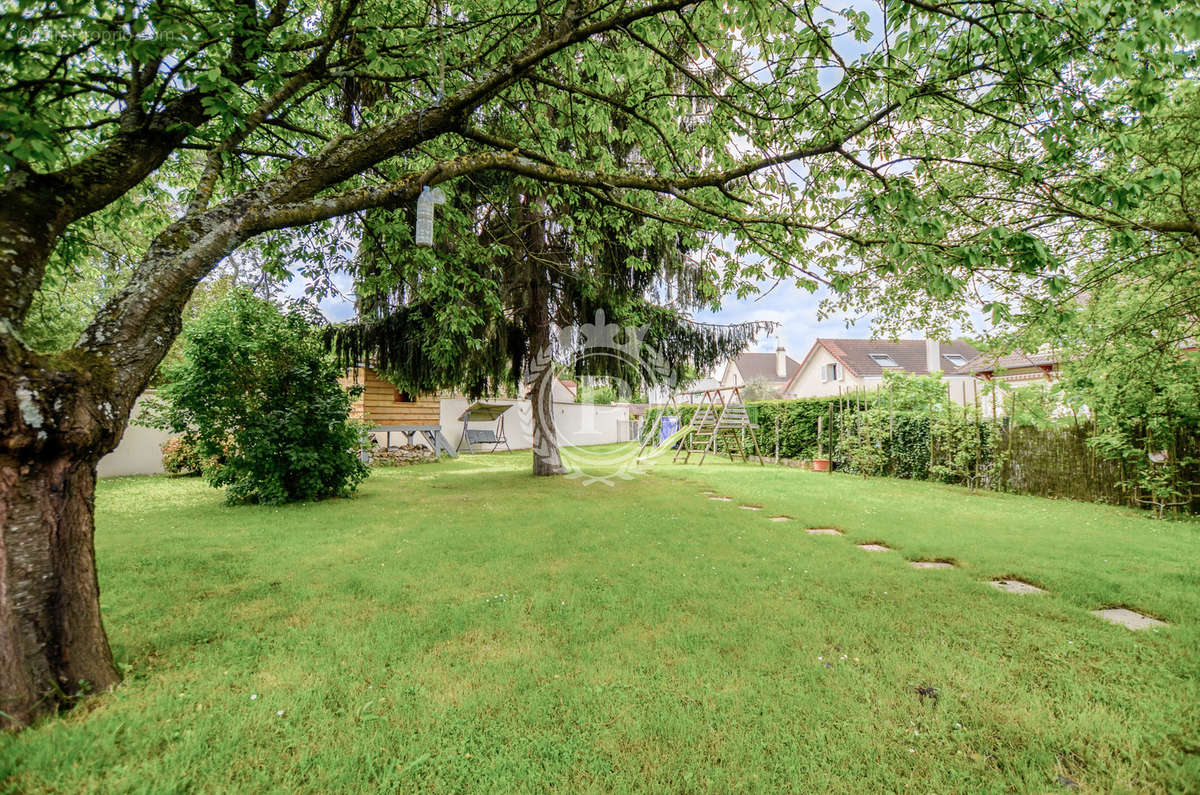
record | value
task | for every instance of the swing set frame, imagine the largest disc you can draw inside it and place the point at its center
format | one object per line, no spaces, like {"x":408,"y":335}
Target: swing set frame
{"x":722,"y":414}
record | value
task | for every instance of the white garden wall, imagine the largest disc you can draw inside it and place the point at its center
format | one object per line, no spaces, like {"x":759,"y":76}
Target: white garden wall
{"x":140,"y":450}
{"x":577,"y":423}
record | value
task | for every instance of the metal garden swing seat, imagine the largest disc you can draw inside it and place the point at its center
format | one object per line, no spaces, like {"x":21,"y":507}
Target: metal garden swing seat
{"x":483,"y":411}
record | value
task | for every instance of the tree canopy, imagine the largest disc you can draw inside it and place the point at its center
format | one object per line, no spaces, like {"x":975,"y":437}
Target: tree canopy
{"x":512,"y":273}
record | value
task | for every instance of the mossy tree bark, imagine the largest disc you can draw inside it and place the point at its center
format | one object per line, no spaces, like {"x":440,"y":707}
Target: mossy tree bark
{"x":57,"y":423}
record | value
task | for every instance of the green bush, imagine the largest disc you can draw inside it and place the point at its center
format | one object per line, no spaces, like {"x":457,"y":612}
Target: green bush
{"x":260,"y":396}
{"x":909,"y":428}
{"x":965,"y":447}
{"x":602,"y":395}
{"x":908,"y":447}
{"x":881,"y":432}
{"x":180,"y":456}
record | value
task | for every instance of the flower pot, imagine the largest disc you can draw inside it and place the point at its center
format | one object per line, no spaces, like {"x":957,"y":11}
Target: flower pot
{"x":820,"y":465}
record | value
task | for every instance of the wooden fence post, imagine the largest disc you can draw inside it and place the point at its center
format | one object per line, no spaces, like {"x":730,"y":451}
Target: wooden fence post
{"x":820,"y":436}
{"x":829,"y":452}
{"x":777,"y":413}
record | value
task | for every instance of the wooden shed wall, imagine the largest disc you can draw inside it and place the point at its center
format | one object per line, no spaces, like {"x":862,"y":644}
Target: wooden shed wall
{"x":377,"y":404}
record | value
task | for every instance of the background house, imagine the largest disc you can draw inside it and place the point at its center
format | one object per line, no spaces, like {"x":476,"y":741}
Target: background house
{"x":773,"y":370}
{"x":1014,"y":371}
{"x":834,"y":366}
{"x":1016,"y":368}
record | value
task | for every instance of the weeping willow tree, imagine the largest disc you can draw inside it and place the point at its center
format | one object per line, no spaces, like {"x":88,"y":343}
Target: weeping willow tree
{"x":516,"y":272}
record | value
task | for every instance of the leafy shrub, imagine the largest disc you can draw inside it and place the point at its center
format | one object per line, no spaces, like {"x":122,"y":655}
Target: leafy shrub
{"x":965,"y":447}
{"x":180,"y":456}
{"x":1148,"y":419}
{"x":862,"y":441}
{"x":602,"y":395}
{"x":259,"y":395}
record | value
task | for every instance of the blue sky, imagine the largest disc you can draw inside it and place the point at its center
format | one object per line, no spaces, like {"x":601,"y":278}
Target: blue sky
{"x":795,"y":309}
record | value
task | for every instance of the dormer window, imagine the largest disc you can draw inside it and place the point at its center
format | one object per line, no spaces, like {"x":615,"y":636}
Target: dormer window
{"x":956,"y":359}
{"x":883,"y":360}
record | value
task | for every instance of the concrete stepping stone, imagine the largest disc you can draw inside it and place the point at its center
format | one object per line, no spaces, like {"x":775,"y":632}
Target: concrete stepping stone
{"x":1128,"y":618}
{"x":721,"y":499}
{"x":824,"y":531}
{"x":750,"y":507}
{"x":1015,"y":586}
{"x":874,"y":547}
{"x":781,"y":518}
{"x":930,"y":564}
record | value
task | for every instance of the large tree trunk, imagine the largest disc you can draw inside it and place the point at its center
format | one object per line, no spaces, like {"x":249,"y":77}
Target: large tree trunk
{"x":52,"y":642}
{"x":546,"y":459}
{"x":540,"y":376}
{"x":58,"y":416}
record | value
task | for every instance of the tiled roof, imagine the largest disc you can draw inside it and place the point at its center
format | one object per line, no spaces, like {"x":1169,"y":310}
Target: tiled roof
{"x":761,"y":367}
{"x":987,"y":363}
{"x":908,"y":354}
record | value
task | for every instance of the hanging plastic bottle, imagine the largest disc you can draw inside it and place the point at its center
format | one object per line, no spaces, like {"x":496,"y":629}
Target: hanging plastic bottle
{"x":425,"y":204}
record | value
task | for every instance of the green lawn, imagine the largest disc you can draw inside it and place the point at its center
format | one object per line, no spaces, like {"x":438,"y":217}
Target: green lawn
{"x":465,"y":626}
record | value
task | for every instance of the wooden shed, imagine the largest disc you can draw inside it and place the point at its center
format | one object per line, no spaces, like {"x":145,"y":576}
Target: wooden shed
{"x":383,"y":404}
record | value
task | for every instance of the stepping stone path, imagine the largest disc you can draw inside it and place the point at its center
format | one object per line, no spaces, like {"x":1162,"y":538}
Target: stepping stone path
{"x":1015,"y":586}
{"x":1117,"y":615}
{"x":1128,"y":618}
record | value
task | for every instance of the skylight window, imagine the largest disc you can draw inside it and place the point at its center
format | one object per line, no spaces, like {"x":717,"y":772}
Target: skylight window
{"x":958,"y":360}
{"x":883,"y":360}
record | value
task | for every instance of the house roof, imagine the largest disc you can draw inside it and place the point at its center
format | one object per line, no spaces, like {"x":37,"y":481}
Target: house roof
{"x":988,"y":363}
{"x":855,"y":355}
{"x":761,"y":367}
{"x":700,"y":385}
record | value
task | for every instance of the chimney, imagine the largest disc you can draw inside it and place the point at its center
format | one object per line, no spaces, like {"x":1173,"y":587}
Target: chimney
{"x":933,"y":358}
{"x":780,"y":359}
